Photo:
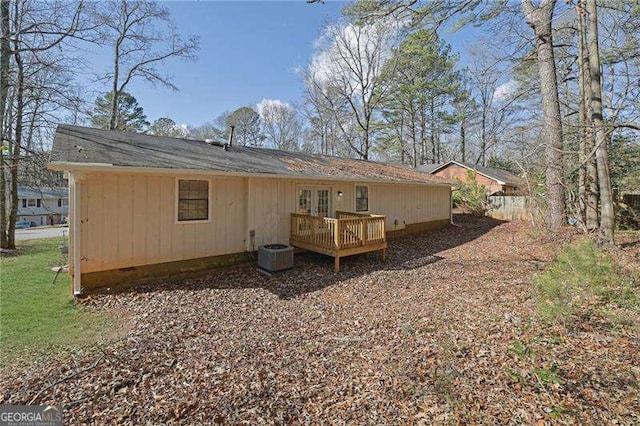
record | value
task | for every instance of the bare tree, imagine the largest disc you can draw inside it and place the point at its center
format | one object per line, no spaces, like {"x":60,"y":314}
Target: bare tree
{"x":206,"y":131}
{"x":607,"y":216}
{"x":34,"y":36}
{"x":588,"y":173}
{"x":351,"y":66}
{"x":141,"y":35}
{"x":540,"y":19}
{"x":5,"y":53}
{"x":246,"y":124}
{"x":318,"y":109}
{"x":489,"y":94}
{"x":281,"y":124}
{"x":329,"y":113}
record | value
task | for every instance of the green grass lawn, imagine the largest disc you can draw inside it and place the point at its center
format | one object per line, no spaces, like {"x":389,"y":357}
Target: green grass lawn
{"x":37,"y":316}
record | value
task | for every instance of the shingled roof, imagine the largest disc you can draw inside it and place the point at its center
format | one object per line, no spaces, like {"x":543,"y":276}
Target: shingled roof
{"x":44,"y":192}
{"x":503,"y":177}
{"x":81,"y":145}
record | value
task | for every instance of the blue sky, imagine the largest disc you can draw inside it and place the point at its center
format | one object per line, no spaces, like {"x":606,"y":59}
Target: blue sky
{"x":250,"y":51}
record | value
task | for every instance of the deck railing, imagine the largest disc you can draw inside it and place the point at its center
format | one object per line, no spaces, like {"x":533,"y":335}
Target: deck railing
{"x":347,"y":231}
{"x":314,"y":230}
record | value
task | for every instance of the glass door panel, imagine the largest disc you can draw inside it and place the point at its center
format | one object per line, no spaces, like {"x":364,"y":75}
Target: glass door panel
{"x":304,"y":201}
{"x":322,"y":202}
{"x":304,"y":207}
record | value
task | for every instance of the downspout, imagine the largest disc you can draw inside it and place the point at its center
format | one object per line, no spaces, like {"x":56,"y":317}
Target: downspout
{"x":451,"y":205}
{"x":75,"y":189}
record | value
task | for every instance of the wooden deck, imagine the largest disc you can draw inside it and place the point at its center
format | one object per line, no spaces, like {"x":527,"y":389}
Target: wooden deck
{"x":350,"y":233}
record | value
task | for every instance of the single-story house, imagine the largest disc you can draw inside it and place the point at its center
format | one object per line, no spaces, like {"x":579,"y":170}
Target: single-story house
{"x":497,"y":181}
{"x":144,"y":206}
{"x":43,"y":206}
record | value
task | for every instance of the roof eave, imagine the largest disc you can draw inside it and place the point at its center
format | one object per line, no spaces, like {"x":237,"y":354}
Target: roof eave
{"x":498,"y":181}
{"x":110,"y":168}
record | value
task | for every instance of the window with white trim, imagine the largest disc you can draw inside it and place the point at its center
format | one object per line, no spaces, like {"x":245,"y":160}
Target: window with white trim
{"x":31,"y":202}
{"x":362,"y":198}
{"x":193,"y":200}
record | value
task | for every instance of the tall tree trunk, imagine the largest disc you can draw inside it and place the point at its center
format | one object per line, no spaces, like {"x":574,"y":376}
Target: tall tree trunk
{"x":401,"y":137}
{"x":15,"y":151}
{"x":438,"y":145}
{"x":423,"y":136}
{"x":463,"y":142}
{"x":607,"y":216}
{"x":432,"y":135}
{"x":365,"y":148}
{"x":588,"y":180}
{"x":113,"y":122}
{"x":415,"y":142}
{"x":5,"y":53}
{"x":483,"y":138}
{"x":540,"y":19}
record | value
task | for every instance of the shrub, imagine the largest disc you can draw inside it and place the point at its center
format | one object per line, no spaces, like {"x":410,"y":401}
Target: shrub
{"x":471,"y":196}
{"x":582,"y":278}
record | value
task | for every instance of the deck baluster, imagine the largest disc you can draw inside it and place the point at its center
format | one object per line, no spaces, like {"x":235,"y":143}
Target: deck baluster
{"x":351,"y":233}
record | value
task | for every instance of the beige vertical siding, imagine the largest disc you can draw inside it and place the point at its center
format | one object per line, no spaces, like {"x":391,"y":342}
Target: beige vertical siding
{"x":271,"y":201}
{"x":409,"y":204}
{"x":129,"y":220}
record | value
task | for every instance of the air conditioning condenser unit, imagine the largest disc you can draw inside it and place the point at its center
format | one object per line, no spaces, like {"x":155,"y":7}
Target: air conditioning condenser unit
{"x":275,"y":257}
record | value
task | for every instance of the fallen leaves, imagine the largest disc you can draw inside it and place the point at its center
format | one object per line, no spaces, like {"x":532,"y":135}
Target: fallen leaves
{"x":445,"y":331}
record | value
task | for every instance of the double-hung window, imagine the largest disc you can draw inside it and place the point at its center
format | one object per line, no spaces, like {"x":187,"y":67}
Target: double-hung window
{"x":362,"y":198}
{"x":193,"y":200}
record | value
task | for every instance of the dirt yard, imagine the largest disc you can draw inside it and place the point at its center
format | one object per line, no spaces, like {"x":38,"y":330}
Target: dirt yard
{"x":446,"y":331}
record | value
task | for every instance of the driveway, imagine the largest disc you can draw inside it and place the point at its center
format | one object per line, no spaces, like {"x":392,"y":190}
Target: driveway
{"x":41,"y":232}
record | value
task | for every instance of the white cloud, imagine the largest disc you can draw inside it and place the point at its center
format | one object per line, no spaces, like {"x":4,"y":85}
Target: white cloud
{"x":271,"y":105}
{"x":343,"y":48}
{"x":505,"y":90}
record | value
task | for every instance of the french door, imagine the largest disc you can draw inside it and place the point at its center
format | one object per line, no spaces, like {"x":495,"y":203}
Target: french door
{"x":314,"y":200}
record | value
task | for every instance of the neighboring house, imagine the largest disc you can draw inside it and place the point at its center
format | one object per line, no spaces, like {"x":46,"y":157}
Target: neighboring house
{"x":496,"y":181}
{"x":144,"y":206}
{"x":43,"y":206}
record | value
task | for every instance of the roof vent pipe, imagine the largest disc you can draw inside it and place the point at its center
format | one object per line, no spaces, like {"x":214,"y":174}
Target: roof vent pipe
{"x":232,"y":128}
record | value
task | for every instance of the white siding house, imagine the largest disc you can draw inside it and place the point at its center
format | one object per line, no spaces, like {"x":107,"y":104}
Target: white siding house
{"x":43,"y":206}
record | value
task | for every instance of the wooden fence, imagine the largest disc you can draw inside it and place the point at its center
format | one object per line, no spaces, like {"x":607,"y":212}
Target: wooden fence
{"x":632,"y":200}
{"x":509,"y":207}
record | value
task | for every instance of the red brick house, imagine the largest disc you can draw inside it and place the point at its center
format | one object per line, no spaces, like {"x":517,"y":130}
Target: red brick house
{"x":497,"y":181}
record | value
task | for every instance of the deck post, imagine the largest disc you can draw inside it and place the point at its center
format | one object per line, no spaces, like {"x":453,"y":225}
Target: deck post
{"x":336,"y":264}
{"x":383,"y":255}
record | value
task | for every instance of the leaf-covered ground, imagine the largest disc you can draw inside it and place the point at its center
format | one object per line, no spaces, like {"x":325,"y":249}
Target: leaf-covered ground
{"x":446,"y":331}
